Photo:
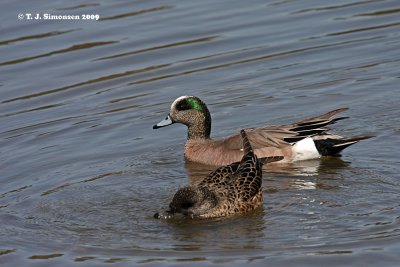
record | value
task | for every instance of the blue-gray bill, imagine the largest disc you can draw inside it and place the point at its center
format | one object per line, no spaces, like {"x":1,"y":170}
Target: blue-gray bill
{"x":165,"y":122}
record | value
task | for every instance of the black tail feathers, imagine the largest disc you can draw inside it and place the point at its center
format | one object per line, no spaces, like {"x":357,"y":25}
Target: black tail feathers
{"x":333,"y":146}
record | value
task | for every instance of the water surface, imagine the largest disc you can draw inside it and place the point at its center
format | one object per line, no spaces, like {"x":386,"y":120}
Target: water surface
{"x":82,"y":171}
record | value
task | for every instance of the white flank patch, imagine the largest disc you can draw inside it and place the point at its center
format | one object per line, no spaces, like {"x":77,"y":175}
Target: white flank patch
{"x":305,"y":149}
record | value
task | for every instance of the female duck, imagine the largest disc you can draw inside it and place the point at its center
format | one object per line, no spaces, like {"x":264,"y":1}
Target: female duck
{"x":235,"y":188}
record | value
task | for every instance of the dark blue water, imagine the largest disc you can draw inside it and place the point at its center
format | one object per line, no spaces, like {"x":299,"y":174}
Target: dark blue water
{"x":82,"y":172}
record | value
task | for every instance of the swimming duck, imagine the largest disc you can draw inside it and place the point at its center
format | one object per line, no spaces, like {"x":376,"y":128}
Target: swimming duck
{"x":303,"y":140}
{"x":231,"y":189}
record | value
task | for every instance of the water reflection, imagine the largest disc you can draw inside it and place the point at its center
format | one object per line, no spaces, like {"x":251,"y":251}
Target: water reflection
{"x":61,"y":51}
{"x":302,"y":184}
{"x":237,"y":232}
{"x":197,"y":171}
{"x":135,"y":13}
{"x":381,"y":12}
{"x":371,"y":28}
{"x":186,"y":42}
{"x":332,"y":7}
{"x":45,"y":257}
{"x":6,"y":251}
{"x":81,"y":6}
{"x":88,"y":82}
{"x":35,"y":36}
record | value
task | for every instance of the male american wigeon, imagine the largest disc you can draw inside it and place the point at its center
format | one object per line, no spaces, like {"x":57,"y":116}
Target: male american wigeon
{"x":303,"y":140}
{"x":231,"y":189}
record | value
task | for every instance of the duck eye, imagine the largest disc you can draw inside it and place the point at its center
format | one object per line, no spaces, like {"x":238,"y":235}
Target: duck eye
{"x":183,"y":105}
{"x":187,"y":205}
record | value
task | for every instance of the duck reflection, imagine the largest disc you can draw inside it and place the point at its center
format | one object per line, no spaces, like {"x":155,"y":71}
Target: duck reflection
{"x":223,"y":232}
{"x":296,"y":175}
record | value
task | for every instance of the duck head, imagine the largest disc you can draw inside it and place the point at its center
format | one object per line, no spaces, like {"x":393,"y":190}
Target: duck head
{"x":192,"y":112}
{"x":190,"y":202}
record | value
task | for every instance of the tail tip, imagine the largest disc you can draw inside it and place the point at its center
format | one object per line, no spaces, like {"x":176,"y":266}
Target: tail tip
{"x":247,"y":148}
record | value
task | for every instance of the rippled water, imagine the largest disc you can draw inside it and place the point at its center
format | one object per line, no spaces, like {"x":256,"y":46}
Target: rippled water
{"x":82,"y":171}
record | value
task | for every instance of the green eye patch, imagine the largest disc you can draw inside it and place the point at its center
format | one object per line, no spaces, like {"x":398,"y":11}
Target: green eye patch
{"x":195,"y":104}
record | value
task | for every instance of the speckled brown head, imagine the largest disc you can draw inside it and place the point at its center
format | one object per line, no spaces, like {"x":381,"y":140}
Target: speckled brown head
{"x":193,"y":201}
{"x":192,"y":112}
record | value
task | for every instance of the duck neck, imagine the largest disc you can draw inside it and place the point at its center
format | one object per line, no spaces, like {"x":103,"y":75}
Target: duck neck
{"x":200,"y":130}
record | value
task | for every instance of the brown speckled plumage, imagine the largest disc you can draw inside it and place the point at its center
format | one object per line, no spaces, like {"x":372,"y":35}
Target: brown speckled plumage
{"x":228,"y":190}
